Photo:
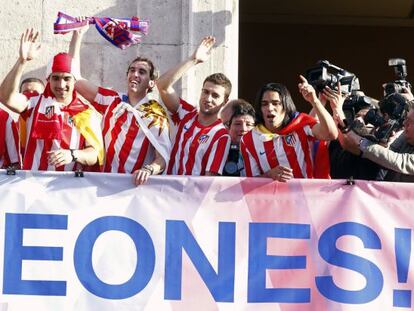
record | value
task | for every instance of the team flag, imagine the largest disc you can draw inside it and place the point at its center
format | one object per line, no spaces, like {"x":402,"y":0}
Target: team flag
{"x":118,"y":31}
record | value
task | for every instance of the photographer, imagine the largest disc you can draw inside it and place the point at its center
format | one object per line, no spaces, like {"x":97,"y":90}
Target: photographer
{"x":398,"y":158}
{"x":344,"y":164}
{"x":239,"y":118}
{"x":345,"y":161}
{"x":339,"y":88}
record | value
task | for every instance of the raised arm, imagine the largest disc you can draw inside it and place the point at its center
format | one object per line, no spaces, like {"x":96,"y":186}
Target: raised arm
{"x":166,"y":81}
{"x":398,"y":162}
{"x":86,"y":88}
{"x":9,"y":89}
{"x":336,"y":101}
{"x":395,"y":161}
{"x":326,"y":128}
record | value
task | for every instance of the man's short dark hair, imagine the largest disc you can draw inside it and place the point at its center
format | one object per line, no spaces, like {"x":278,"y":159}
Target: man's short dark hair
{"x":30,"y":80}
{"x":153,"y":72}
{"x":222,"y":80}
{"x":241,"y":107}
{"x":285,"y":97}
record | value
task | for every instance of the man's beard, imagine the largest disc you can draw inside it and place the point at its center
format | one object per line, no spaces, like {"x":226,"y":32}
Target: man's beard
{"x":212,"y":111}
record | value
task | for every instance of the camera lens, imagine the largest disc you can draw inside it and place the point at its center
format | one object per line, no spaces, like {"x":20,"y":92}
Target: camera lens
{"x":231,"y":169}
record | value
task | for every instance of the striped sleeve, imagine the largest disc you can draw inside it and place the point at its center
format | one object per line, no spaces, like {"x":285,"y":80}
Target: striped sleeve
{"x":250,"y":160}
{"x":12,"y":141}
{"x":218,"y":155}
{"x":104,"y":98}
{"x":184,"y":109}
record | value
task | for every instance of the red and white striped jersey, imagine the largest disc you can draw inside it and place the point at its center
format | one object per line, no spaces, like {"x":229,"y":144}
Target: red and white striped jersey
{"x":198,"y":149}
{"x":127,"y":144}
{"x":9,"y":140}
{"x":263,"y":150}
{"x":50,"y":127}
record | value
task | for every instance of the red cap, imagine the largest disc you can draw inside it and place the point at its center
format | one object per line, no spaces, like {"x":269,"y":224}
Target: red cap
{"x":61,"y":62}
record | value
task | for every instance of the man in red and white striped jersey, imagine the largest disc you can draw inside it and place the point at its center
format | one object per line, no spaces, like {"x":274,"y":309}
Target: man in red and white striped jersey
{"x":282,"y":145}
{"x":62,"y":132}
{"x":202,"y":142}
{"x":135,"y":126}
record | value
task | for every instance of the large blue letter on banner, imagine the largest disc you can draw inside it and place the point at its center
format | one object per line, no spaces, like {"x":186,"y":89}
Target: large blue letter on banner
{"x":83,"y":257}
{"x":334,"y":256}
{"x":15,"y":253}
{"x":259,"y":261}
{"x":221,"y":284}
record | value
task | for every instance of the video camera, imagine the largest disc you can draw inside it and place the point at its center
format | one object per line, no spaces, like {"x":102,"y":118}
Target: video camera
{"x":327,"y":74}
{"x":396,"y":107}
{"x":353,"y":103}
{"x":400,"y":70}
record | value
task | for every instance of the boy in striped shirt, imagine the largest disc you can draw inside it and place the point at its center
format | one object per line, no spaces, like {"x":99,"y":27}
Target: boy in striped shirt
{"x":202,"y":142}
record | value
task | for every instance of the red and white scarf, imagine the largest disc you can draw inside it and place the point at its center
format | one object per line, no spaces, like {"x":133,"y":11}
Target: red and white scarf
{"x":118,"y":31}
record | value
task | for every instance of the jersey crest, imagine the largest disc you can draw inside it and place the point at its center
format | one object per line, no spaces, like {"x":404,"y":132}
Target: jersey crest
{"x":49,"y":111}
{"x":290,"y":140}
{"x":203,"y":139}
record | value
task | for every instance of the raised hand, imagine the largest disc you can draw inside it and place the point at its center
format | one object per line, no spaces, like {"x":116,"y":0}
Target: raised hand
{"x":335,"y":98}
{"x":82,"y":30}
{"x":203,"y":51}
{"x":29,"y":48}
{"x":307,"y":90}
{"x":406,"y":92}
{"x":336,"y":101}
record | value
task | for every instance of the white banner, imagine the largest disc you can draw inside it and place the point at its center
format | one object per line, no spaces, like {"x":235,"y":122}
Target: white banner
{"x":203,"y":243}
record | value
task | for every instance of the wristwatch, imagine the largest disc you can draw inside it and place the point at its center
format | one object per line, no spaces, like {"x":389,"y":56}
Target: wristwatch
{"x":72,"y":153}
{"x":363,"y":144}
{"x":149,"y":168}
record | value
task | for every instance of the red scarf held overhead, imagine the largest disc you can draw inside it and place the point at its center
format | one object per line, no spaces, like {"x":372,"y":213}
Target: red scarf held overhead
{"x":118,"y":31}
{"x":48,"y":124}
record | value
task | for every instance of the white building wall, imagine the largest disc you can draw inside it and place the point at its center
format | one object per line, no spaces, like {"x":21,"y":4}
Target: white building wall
{"x":176,"y":27}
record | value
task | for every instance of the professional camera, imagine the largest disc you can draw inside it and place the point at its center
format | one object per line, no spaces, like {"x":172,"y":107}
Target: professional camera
{"x":395,"y":106}
{"x":326,"y":74}
{"x":400,"y":70}
{"x":353,"y":103}
{"x":231,"y":168}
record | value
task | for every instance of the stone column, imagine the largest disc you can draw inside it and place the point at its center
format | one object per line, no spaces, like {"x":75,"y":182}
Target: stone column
{"x":176,"y":33}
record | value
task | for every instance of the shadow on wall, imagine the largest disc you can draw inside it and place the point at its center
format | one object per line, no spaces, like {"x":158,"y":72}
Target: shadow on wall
{"x":214,"y":22}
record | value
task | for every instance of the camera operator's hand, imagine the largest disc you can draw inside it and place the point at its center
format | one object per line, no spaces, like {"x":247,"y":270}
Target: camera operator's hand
{"x":335,"y":98}
{"x":336,"y":101}
{"x":307,"y":91}
{"x":407,"y":93}
{"x":280,"y":173}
